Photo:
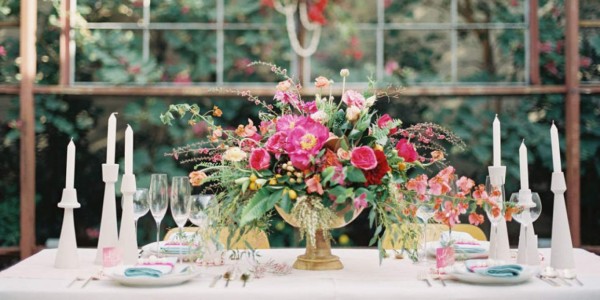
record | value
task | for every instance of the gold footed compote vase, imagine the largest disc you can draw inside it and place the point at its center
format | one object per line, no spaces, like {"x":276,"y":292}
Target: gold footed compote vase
{"x":318,"y":257}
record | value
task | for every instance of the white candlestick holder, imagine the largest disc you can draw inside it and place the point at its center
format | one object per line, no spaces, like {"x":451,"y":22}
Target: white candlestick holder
{"x":66,"y":256}
{"x":108,"y":226}
{"x":530,"y":204}
{"x":561,"y":257}
{"x":127,"y":236}
{"x":499,"y":245}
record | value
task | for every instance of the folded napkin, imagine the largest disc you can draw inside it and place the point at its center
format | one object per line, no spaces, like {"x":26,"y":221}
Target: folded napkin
{"x":468,"y":248}
{"x":510,"y":270}
{"x":153,"y":267}
{"x":174,"y":248}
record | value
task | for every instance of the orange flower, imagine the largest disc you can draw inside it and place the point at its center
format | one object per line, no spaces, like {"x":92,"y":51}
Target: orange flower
{"x":437,"y":155}
{"x":475,"y":219}
{"x":197,"y":177}
{"x":321,"y":82}
{"x":217,"y":112}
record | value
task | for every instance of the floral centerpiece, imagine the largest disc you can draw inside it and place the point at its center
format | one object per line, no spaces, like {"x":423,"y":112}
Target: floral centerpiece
{"x":319,"y":159}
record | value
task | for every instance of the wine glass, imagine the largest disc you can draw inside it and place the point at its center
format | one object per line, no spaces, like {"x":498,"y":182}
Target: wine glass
{"x":140,"y":204}
{"x":181,"y":190}
{"x":424,"y":213}
{"x":158,"y":200}
{"x":199,"y":217}
{"x":494,"y":208}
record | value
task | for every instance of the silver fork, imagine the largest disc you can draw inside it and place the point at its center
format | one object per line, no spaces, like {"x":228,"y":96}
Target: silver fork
{"x":547,"y":280}
{"x":425,"y":278}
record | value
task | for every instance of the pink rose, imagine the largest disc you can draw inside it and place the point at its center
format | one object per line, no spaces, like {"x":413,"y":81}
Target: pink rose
{"x":353,"y":98}
{"x":406,"y":150}
{"x":383,"y":121}
{"x":363,"y":158}
{"x":260,"y":159}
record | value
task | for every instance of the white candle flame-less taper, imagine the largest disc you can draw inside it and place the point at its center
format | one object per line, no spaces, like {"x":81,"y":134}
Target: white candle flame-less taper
{"x":496,"y":142}
{"x":66,"y":256}
{"x":523,"y":166}
{"x":127,"y":234}
{"x":110,"y":173}
{"x":561,"y":257}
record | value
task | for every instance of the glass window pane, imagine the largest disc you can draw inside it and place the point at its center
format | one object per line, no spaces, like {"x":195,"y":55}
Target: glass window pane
{"x":353,"y":11}
{"x":588,"y":10}
{"x":113,"y":56}
{"x":590,"y":54}
{"x":417,"y":56}
{"x":9,"y":41}
{"x":491,"y":56}
{"x":244,"y":47}
{"x":185,"y":56}
{"x":415,"y":11}
{"x":486,"y":11}
{"x":111,"y":11}
{"x":183,"y":11}
{"x":251,"y":11}
{"x":356,"y":52}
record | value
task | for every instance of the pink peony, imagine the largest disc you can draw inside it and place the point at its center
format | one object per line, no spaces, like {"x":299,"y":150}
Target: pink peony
{"x":287,"y":122}
{"x":363,"y":158}
{"x":309,"y":107}
{"x":304,"y":141}
{"x":276,"y":143}
{"x":353,"y":98}
{"x":260,"y":159}
{"x":406,"y":150}
{"x":383,"y":121}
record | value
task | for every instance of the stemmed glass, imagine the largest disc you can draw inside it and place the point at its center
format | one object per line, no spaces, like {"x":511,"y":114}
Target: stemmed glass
{"x":199,"y":215}
{"x":140,"y":204}
{"x":495,"y":208}
{"x":526,"y":213}
{"x":158,"y":200}
{"x":181,"y":189}
{"x":424,"y":213}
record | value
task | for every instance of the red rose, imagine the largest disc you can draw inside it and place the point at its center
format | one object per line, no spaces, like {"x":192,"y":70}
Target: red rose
{"x":383,"y":121}
{"x":363,"y":158}
{"x":375,"y":175}
{"x":406,"y":150}
{"x":260,"y":159}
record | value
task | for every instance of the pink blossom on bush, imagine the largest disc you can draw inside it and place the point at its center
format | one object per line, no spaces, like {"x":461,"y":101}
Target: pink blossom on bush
{"x":418,"y":184}
{"x":465,"y":184}
{"x":363,"y":158}
{"x":406,"y":150}
{"x":354,"y":98}
{"x":383,"y":121}
{"x":360,"y":201}
{"x":260,"y":159}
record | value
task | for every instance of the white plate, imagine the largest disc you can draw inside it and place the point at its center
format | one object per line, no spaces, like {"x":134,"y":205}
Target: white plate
{"x":174,"y":278}
{"x":460,"y":272}
{"x":432,"y":246}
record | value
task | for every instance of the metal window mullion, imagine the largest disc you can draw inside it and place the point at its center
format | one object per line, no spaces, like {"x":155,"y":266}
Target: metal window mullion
{"x":380,"y":39}
{"x":146,"y":31}
{"x":220,"y":40}
{"x":454,"y":41}
{"x":527,"y":42}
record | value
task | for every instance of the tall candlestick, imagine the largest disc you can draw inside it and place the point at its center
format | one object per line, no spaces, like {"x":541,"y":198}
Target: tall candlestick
{"x":523,"y":166}
{"x":69,"y":181}
{"x":496,"y":141}
{"x":555,"y":148}
{"x":110,"y":139}
{"x":128,"y":150}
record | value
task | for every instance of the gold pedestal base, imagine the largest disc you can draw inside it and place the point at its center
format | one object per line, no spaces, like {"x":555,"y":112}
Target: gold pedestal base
{"x":318,"y":257}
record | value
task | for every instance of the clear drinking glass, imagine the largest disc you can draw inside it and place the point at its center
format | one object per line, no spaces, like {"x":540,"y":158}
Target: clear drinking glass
{"x":424,"y":213}
{"x":140,"y":204}
{"x":181,"y":189}
{"x":495,"y":209}
{"x":158,"y":200}
{"x":198,"y":210}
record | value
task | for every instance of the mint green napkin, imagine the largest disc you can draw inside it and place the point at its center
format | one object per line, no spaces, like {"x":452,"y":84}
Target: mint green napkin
{"x":499,"y":271}
{"x":142,"y":271}
{"x":468,"y":249}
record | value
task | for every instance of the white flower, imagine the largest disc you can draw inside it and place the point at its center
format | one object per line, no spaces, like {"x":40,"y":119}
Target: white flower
{"x":352,"y":113}
{"x":344,"y":73}
{"x":320,"y":116}
{"x":234,"y":154}
{"x":370,"y":101}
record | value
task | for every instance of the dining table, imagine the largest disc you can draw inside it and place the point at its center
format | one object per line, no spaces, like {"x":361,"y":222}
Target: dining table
{"x":364,"y":276}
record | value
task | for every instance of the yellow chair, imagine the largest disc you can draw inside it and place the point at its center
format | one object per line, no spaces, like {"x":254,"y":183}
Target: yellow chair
{"x":434,"y":231}
{"x":257,"y":239}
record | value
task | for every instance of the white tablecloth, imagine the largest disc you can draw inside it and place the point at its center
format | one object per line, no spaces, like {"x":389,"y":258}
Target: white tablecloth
{"x":362,"y":278}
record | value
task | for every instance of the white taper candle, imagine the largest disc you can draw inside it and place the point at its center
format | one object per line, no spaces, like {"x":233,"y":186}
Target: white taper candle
{"x":128,"y":150}
{"x":523,"y":166}
{"x":111,"y":139}
{"x":555,"y":148}
{"x":496,"y":141}
{"x":70,"y":178}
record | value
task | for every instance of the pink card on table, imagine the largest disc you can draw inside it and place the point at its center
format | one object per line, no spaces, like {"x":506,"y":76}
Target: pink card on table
{"x":444,"y":257}
{"x":110,"y":257}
